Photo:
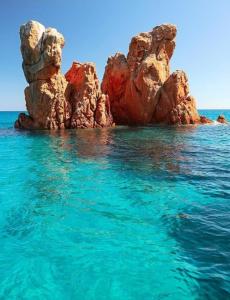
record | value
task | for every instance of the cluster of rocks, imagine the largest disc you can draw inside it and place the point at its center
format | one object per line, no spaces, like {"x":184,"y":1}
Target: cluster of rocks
{"x":140,"y":87}
{"x":55,"y":101}
{"x":135,"y":90}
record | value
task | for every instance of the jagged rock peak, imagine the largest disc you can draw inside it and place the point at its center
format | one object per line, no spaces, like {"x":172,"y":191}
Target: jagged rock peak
{"x":41,"y":51}
{"x":140,"y":87}
{"x":52,"y":101}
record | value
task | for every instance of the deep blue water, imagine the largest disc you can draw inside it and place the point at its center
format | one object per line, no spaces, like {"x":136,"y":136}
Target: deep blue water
{"x":123,"y":213}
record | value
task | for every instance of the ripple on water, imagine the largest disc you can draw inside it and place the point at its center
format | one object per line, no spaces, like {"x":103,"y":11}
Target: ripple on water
{"x":121,"y":213}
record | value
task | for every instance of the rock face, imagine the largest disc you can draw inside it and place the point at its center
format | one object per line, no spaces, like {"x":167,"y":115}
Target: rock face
{"x":136,"y":90}
{"x":53,"y":102}
{"x":221,"y":119}
{"x":45,"y":97}
{"x":90,"y":108}
{"x":140,"y":87}
{"x":205,"y":120}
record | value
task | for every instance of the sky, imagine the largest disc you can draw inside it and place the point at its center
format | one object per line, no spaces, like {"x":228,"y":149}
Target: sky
{"x":95,"y":30}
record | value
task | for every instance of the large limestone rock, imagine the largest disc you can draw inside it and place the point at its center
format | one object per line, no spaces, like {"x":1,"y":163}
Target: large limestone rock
{"x":53,"y":102}
{"x":140,"y":87}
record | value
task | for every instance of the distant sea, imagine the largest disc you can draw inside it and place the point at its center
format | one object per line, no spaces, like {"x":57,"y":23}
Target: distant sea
{"x":133,"y":213}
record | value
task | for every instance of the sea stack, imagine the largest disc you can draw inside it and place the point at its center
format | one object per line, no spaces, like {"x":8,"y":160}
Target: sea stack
{"x":140,"y":87}
{"x":51,"y":101}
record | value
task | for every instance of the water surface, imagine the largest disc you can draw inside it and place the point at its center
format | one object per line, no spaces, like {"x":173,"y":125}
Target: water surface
{"x":121,"y":213}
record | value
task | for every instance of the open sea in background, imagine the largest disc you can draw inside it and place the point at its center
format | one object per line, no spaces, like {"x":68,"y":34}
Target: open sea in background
{"x":115,"y":214}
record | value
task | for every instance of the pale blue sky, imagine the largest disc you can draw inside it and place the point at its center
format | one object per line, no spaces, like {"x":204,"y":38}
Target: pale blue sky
{"x":94,"y":30}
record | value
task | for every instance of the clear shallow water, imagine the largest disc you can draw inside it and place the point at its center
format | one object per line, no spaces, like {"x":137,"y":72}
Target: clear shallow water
{"x":122,"y":213}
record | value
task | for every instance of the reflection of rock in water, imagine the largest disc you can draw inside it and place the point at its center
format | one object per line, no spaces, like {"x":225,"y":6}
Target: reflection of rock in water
{"x":86,"y":143}
{"x":153,"y":151}
{"x":45,"y":183}
{"x":142,"y":152}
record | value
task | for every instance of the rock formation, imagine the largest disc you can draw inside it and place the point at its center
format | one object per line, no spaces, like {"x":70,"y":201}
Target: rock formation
{"x":221,"y":119}
{"x":140,"y":87}
{"x":45,"y":97}
{"x":52,"y":101}
{"x":205,"y":120}
{"x":90,"y":108}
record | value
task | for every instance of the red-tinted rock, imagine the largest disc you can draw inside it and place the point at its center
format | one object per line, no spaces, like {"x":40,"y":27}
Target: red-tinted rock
{"x":52,"y":102}
{"x":221,"y":119}
{"x":205,"y":120}
{"x":137,"y":89}
{"x":173,"y":103}
{"x":140,"y":87}
{"x":90,"y":108}
{"x":24,"y":122}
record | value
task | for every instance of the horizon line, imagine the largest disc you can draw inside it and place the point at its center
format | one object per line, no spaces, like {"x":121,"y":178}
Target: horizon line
{"x":23,"y":110}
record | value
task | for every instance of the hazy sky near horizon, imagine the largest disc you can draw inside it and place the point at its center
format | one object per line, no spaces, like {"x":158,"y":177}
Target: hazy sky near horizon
{"x":94,"y":30}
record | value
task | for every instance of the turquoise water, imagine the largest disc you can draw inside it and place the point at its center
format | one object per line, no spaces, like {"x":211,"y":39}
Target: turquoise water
{"x":123,"y":213}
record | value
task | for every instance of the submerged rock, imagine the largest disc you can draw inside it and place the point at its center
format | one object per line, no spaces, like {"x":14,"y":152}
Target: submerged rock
{"x":140,"y":86}
{"x":221,"y":119}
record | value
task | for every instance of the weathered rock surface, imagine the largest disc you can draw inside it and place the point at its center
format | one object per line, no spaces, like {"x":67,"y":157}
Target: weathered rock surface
{"x":221,"y":119}
{"x":136,"y":90}
{"x":90,"y":108}
{"x":205,"y":120}
{"x":52,"y":101}
{"x":140,"y":87}
{"x":173,"y":103}
{"x":45,"y":96}
{"x":41,"y":51}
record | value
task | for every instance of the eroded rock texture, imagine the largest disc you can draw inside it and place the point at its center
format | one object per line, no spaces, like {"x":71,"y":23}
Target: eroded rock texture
{"x":45,"y":96}
{"x":90,"y":108}
{"x":53,"y":102}
{"x":140,"y":87}
{"x":137,"y":89}
{"x":205,"y":120}
{"x":221,"y":119}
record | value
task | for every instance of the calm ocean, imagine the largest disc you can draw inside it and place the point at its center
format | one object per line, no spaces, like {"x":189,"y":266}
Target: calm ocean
{"x":115,"y":214}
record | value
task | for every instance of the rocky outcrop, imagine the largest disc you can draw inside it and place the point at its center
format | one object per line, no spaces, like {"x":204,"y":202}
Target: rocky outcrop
{"x":45,"y":96}
{"x":136,"y":90}
{"x":205,"y":120}
{"x":90,"y":108}
{"x":221,"y":119}
{"x":173,"y":103}
{"x":52,"y":101}
{"x":140,"y":87}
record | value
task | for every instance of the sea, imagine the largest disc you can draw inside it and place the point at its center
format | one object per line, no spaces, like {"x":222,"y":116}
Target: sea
{"x":124,"y":213}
